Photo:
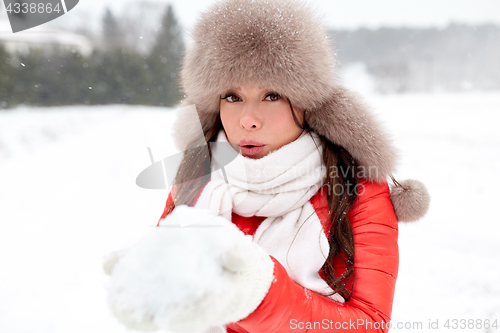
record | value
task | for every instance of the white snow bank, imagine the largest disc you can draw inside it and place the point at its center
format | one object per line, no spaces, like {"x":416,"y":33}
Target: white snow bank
{"x":26,"y":129}
{"x":68,"y":202}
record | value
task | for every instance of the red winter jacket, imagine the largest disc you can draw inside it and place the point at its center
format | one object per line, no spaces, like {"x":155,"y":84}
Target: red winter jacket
{"x":288,"y":307}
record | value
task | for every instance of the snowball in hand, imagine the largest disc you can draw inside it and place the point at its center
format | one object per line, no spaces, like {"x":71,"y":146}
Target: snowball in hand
{"x":184,"y":279}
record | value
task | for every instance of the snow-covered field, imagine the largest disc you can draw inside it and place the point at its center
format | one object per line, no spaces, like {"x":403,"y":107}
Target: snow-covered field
{"x":68,"y":197}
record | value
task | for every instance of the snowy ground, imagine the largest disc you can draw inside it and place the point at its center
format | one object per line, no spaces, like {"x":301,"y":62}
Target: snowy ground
{"x":68,"y":197}
{"x":450,"y":260}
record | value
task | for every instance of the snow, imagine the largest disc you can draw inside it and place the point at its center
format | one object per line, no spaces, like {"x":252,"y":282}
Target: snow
{"x":449,"y":264}
{"x":68,"y":198}
{"x":65,"y":204}
{"x":148,"y":288}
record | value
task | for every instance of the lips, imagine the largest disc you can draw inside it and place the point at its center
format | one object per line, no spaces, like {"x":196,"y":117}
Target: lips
{"x":250,"y":147}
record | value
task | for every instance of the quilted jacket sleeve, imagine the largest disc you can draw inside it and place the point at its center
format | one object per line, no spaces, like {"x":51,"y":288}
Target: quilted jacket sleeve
{"x":289,"y":307}
{"x":168,"y":206}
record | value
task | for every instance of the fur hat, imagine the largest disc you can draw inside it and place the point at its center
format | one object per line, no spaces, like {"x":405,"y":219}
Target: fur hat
{"x":282,"y":45}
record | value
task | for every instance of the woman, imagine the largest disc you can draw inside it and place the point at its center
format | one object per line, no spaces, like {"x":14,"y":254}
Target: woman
{"x":309,"y":184}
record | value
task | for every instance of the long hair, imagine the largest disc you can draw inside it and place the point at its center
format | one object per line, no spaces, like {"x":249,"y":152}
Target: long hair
{"x":194,"y":172}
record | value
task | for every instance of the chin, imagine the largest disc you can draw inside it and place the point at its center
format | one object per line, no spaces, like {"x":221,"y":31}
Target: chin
{"x":256,"y":157}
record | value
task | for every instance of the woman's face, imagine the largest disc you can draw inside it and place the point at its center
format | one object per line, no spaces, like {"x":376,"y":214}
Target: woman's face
{"x":258,"y":120}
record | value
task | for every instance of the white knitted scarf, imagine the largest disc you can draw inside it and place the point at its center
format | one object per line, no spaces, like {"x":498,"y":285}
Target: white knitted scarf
{"x":279,"y":187}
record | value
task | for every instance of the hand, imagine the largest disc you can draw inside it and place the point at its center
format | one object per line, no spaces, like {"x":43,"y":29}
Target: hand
{"x":186,"y":279}
{"x":137,"y":320}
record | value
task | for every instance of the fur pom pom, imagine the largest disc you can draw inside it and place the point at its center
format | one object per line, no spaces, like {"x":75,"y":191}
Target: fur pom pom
{"x":410,"y":200}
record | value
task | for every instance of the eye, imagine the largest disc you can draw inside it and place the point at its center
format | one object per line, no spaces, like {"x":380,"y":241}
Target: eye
{"x":272,"y":97}
{"x":231,"y":98}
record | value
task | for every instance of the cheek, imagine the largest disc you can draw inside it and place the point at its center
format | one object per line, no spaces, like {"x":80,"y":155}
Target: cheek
{"x":229,"y":122}
{"x":285,"y":128}
{"x":284,"y":122}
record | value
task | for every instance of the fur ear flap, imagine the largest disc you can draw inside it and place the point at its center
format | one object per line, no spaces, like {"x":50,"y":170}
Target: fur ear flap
{"x":191,"y":124}
{"x":346,"y":121}
{"x":410,"y":199}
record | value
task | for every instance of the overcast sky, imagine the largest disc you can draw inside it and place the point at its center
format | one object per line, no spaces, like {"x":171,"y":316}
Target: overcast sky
{"x":349,"y":13}
{"x":343,"y":14}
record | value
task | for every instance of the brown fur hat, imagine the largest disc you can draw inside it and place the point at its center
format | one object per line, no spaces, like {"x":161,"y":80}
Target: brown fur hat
{"x":281,"y":45}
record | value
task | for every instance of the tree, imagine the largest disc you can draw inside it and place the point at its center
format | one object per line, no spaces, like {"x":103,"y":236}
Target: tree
{"x":165,"y":59}
{"x":112,"y":37}
{"x":7,"y":78}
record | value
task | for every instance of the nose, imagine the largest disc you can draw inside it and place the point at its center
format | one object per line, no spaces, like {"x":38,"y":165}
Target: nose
{"x":250,"y":119}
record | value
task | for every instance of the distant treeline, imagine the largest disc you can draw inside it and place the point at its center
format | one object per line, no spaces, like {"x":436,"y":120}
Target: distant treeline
{"x":456,"y":58}
{"x":113,"y":73}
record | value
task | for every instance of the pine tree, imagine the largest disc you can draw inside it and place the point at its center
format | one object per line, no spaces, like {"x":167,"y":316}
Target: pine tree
{"x":112,"y":36}
{"x":6,"y":79}
{"x":165,"y":59}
